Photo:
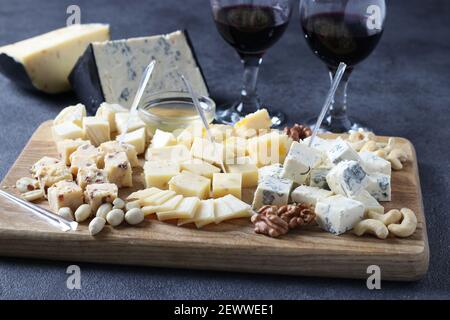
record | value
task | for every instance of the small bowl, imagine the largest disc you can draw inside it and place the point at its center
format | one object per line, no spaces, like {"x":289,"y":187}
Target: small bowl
{"x":173,"y":110}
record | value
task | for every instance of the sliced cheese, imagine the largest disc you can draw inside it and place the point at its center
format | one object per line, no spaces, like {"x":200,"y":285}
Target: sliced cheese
{"x":205,"y":213}
{"x":185,"y":210}
{"x":239,"y":209}
{"x":158,"y":198}
{"x":169,"y":205}
{"x":142,"y":194}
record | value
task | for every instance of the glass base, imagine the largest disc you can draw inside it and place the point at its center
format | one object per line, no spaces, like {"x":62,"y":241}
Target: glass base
{"x":339,"y":125}
{"x":230,"y":115}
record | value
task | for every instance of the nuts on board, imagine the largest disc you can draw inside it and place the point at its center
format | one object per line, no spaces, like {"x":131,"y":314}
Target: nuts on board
{"x":96,"y":225}
{"x":296,"y":215}
{"x":270,"y":225}
{"x":118,"y":203}
{"x":371,"y":226}
{"x":134,"y":216}
{"x":298,"y":132}
{"x":66,"y":213}
{"x":115,"y":217}
{"x":407,"y":226}
{"x":392,"y":216}
{"x":27,"y":184}
{"x":103,"y":210}
{"x":34,"y":195}
{"x":83,"y":212}
{"x":132,"y":205}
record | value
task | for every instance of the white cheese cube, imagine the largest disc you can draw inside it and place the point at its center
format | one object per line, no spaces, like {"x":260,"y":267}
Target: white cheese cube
{"x":48,"y":175}
{"x":239,"y":209}
{"x":136,"y":138}
{"x":65,"y":194}
{"x":299,"y":162}
{"x":116,"y":146}
{"x":338,"y":214}
{"x":220,"y":132}
{"x":342,"y":150}
{"x":235,"y":147}
{"x":208,"y":151}
{"x":67,"y":130}
{"x":248,"y":170}
{"x":96,"y":130}
{"x":268,"y":148}
{"x":91,"y":175}
{"x":73,"y":114}
{"x":369,"y":202}
{"x":163,"y":139}
{"x":320,"y":144}
{"x":274,"y":170}
{"x":374,"y":164}
{"x":178,"y":153}
{"x":65,"y":148}
{"x":158,"y":173}
{"x":347,"y":178}
{"x":44,"y":161}
{"x":257,"y":120}
{"x":118,"y":169}
{"x":190,"y":185}
{"x":227,"y":183}
{"x":318,"y":177}
{"x":200,"y":167}
{"x":379,"y":186}
{"x":273,"y":191}
{"x":169,"y":205}
{"x":187,"y":135}
{"x":97,"y":194}
{"x":122,"y":122}
{"x":86,"y":156}
{"x":309,"y":195}
{"x":185,"y":210}
{"x":107,"y":111}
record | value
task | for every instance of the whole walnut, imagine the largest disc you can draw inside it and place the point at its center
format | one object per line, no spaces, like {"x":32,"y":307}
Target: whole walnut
{"x":298,"y":132}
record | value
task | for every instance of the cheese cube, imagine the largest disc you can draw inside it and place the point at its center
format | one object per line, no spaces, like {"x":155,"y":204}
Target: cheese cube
{"x":323,"y":145}
{"x":342,"y":150}
{"x":269,"y":148}
{"x":200,"y":167}
{"x":73,"y":114}
{"x":142,"y":194}
{"x":122,"y":122}
{"x":96,"y":130}
{"x":205,"y":213}
{"x":185,"y":210}
{"x":369,"y":202}
{"x":116,"y":146}
{"x":190,"y":185}
{"x":65,"y":194}
{"x":347,"y":178}
{"x":158,"y":198}
{"x":186,"y":136}
{"x":247,"y":169}
{"x":273,"y":191}
{"x":379,"y":186}
{"x":158,"y":173}
{"x":86,"y":156}
{"x":178,"y":153}
{"x":44,"y":161}
{"x":136,"y":138}
{"x":169,"y":205}
{"x":107,"y":111}
{"x":163,"y":139}
{"x":299,"y":162}
{"x":309,"y":195}
{"x":48,"y":175}
{"x":338,"y":214}
{"x":66,"y":147}
{"x":318,"y":177}
{"x":235,"y":147}
{"x":67,"y":130}
{"x":118,"y":169}
{"x":274,"y":170}
{"x":208,"y":151}
{"x":374,"y":164}
{"x":227,"y":183}
{"x":99,"y":193}
{"x":220,"y":132}
{"x":239,"y":209}
{"x":257,"y":120}
{"x":90,"y":175}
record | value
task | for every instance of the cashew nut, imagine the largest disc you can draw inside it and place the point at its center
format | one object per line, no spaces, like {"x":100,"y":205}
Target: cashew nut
{"x":355,"y":136}
{"x":371,"y":226}
{"x":381,"y":153}
{"x":396,"y":157}
{"x":407,"y":226}
{"x":369,"y":146}
{"x":390,"y":217}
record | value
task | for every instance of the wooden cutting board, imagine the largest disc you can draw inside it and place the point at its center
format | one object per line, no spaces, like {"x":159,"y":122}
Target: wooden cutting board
{"x":229,"y":246}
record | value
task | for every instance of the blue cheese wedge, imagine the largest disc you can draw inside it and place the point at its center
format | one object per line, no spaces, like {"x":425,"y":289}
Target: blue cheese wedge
{"x":342,"y":150}
{"x":309,"y":195}
{"x":379,"y":186}
{"x":338,"y":214}
{"x":110,"y":71}
{"x":374,"y":164}
{"x":272,"y":191}
{"x":347,"y":178}
{"x":299,"y":162}
{"x":318,"y":177}
{"x":273,"y":170}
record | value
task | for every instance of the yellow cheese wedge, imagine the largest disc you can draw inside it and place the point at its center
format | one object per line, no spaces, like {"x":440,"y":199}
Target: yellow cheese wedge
{"x":239,"y":209}
{"x":169,"y":205}
{"x":227,"y":183}
{"x":158,"y":173}
{"x":185,"y":210}
{"x":257,"y":120}
{"x":190,"y":185}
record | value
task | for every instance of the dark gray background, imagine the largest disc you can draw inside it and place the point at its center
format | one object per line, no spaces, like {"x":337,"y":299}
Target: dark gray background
{"x":402,"y":89}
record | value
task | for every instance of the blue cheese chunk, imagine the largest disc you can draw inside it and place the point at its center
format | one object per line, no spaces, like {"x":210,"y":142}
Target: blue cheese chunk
{"x":273,"y":170}
{"x":379,"y":186}
{"x":272,"y":191}
{"x":318,"y":177}
{"x":347,"y":178}
{"x":309,"y":195}
{"x":320,"y":144}
{"x":338,"y":214}
{"x":342,"y":150}
{"x":374,"y":164}
{"x":299,"y":162}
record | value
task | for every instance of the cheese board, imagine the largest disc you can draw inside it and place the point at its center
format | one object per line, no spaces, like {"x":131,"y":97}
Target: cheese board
{"x":230,"y":246}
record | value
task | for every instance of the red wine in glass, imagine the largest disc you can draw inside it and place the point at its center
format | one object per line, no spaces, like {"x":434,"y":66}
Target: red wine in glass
{"x":338,"y":37}
{"x":251,"y":29}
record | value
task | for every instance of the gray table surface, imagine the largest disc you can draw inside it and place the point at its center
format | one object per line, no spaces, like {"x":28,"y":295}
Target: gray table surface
{"x":402,"y":89}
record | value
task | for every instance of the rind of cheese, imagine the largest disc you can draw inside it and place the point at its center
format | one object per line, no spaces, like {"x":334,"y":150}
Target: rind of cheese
{"x":65,"y":194}
{"x":190,"y":185}
{"x":184,"y":210}
{"x":107,"y":111}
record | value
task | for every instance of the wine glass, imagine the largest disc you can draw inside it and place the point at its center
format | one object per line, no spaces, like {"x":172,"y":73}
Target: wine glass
{"x":342,"y":31}
{"x":251,"y":27}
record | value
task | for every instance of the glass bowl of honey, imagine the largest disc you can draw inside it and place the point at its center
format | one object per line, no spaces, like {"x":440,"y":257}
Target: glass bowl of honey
{"x":173,"y":110}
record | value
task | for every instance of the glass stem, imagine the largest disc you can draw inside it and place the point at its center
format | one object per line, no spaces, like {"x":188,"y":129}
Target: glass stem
{"x":338,"y":119}
{"x":249,"y":97}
